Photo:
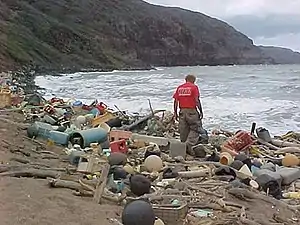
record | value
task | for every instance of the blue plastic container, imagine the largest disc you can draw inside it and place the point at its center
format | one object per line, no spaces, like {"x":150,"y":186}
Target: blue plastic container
{"x":85,"y":137}
{"x":95,"y":112}
{"x":60,"y":138}
{"x":77,"y":103}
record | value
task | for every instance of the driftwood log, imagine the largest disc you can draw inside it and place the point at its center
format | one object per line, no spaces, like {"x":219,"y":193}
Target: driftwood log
{"x":31,"y":173}
{"x":138,"y":122}
{"x":246,"y":194}
{"x":203,"y":190}
{"x":213,"y":206}
{"x":288,"y":150}
{"x":269,"y":145}
{"x":195,"y":174}
{"x":57,"y":183}
{"x":281,"y":143}
{"x":20,"y":160}
{"x":101,"y":184}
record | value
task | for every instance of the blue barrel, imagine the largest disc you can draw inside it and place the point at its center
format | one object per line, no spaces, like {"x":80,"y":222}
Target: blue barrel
{"x":60,"y":138}
{"x":39,"y":129}
{"x":85,"y":137}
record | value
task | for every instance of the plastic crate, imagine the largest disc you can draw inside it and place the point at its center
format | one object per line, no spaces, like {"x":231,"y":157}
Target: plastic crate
{"x":119,"y":146}
{"x":171,"y":215}
{"x":239,"y":142}
{"x":116,"y":135}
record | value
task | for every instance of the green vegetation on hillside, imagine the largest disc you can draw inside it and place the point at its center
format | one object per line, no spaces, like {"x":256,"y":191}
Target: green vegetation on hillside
{"x":107,"y":34}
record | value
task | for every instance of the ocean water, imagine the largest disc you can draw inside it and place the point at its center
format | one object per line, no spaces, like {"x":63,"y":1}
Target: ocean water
{"x":232,"y":96}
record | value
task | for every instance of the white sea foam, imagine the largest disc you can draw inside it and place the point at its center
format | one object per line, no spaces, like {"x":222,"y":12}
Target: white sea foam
{"x":232,"y":97}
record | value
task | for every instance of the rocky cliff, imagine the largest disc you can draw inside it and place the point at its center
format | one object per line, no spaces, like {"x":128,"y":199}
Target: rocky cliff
{"x":281,"y":55}
{"x":111,"y":34}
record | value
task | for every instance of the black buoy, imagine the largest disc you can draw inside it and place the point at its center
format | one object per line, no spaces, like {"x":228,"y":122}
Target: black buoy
{"x":139,"y":185}
{"x":138,"y":212}
{"x":117,"y":158}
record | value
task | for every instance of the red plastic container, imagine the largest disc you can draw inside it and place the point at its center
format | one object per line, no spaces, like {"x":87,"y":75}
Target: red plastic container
{"x":239,"y":142}
{"x":119,"y":146}
{"x":101,"y":107}
{"x":49,"y":109}
{"x":56,"y":100}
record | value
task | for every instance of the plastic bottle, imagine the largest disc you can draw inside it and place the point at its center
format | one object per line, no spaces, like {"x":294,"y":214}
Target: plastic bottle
{"x":293,"y":195}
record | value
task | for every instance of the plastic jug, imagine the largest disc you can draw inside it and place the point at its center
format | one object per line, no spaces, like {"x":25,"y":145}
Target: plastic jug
{"x":263,"y":134}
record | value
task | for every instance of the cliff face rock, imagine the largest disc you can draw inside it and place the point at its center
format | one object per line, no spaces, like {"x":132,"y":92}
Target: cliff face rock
{"x":116,"y":34}
{"x":281,"y":55}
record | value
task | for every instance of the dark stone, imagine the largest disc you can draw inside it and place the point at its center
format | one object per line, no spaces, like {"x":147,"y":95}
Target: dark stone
{"x":237,"y":164}
{"x":245,"y":159}
{"x":224,"y":171}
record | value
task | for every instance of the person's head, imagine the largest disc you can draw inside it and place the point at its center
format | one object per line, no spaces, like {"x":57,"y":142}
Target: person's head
{"x":190,"y":78}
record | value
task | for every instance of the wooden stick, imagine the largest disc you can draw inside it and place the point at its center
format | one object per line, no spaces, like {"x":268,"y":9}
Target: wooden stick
{"x":101,"y":184}
{"x":150,"y":106}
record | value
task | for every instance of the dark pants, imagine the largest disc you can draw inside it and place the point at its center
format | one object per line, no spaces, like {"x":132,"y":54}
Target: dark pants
{"x":190,"y":127}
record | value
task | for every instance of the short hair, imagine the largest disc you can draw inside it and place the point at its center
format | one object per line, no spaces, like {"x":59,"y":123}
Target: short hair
{"x":190,"y":78}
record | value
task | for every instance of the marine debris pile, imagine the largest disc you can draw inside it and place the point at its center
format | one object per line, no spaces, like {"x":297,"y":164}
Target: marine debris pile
{"x":137,"y":162}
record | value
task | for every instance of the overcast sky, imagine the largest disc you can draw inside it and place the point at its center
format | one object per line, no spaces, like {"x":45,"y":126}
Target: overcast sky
{"x":267,"y":22}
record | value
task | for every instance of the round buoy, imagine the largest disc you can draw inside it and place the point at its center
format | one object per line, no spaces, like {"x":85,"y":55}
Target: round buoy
{"x":119,"y":173}
{"x":81,"y":119}
{"x":117,"y":158}
{"x":153,"y":163}
{"x":158,"y":222}
{"x":137,"y":213}
{"x":290,"y":160}
{"x":139,"y":185}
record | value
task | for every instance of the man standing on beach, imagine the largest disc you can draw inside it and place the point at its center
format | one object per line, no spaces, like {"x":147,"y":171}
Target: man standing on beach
{"x":187,"y":97}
